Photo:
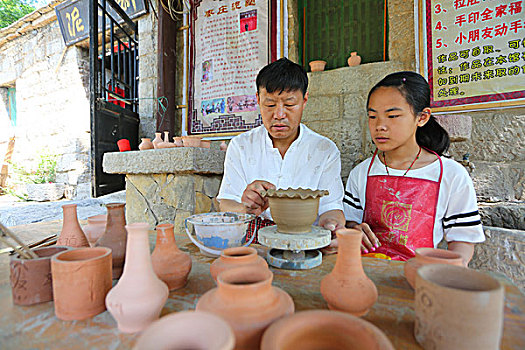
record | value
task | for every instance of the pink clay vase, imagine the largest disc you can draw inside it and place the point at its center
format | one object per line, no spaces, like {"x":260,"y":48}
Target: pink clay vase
{"x":234,"y":257}
{"x":354,"y":59}
{"x":157,"y":139}
{"x":177,"y":140}
{"x":223,"y":146}
{"x":188,"y":141}
{"x":71,"y":234}
{"x":317,"y":66}
{"x":145,"y":144}
{"x":428,"y":256}
{"x":95,"y":228}
{"x":115,"y":236}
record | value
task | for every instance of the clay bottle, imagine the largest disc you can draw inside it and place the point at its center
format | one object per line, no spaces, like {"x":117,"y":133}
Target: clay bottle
{"x":246,"y":299}
{"x":354,"y":59}
{"x":234,"y":257}
{"x":137,"y":299}
{"x":428,"y":256}
{"x":157,"y":139}
{"x":170,"y":264}
{"x":95,"y":228}
{"x":347,"y":288}
{"x":71,"y":234}
{"x":114,"y":236}
{"x":223,"y":146}
{"x":145,"y":144}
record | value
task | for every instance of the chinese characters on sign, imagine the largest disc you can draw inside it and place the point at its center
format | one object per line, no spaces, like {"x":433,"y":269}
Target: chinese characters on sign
{"x":229,"y":46}
{"x":475,"y":51}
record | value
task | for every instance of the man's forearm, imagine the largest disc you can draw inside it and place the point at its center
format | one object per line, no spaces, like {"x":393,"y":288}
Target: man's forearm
{"x":231,"y":205}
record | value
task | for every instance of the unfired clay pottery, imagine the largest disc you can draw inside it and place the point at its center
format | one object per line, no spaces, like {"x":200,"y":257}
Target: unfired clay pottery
{"x":427,"y":256}
{"x":246,"y":299}
{"x":187,"y":330}
{"x":205,"y":143}
{"x":81,"y":280}
{"x":114,"y":236}
{"x":137,"y":299}
{"x":223,"y":146}
{"x":178,"y":141}
{"x":170,"y":264}
{"x":354,"y":59}
{"x":71,"y":234}
{"x":157,"y":139}
{"x":317,"y":66}
{"x":31,"y":278}
{"x":145,"y":144}
{"x":323,"y":329}
{"x":294,"y":210}
{"x":347,"y":288}
{"x":188,"y":141}
{"x":235,"y":257}
{"x":95,"y":228}
{"x":458,"y":308}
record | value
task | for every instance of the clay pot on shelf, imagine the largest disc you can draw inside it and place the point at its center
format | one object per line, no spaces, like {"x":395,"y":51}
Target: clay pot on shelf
{"x":234,"y":257}
{"x":323,"y":329}
{"x":458,"y":308}
{"x":294,"y":210}
{"x":246,"y":299}
{"x":31,"y":278}
{"x":145,"y":144}
{"x":317,"y":66}
{"x":205,"y":144}
{"x":178,"y":141}
{"x":427,"y":256}
{"x":188,"y":141}
{"x":170,"y":264}
{"x":354,"y":59}
{"x":347,"y":288}
{"x":114,"y":236}
{"x":187,"y":330}
{"x":139,"y":296}
{"x":95,"y":228}
{"x":223,"y":146}
{"x":81,"y":280}
{"x":157,"y":139}
{"x":71,"y":234}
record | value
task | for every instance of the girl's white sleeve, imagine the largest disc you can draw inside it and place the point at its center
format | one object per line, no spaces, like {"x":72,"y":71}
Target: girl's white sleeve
{"x":352,"y":203}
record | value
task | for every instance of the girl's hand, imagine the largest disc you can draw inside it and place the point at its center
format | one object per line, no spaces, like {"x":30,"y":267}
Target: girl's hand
{"x":370,"y":241}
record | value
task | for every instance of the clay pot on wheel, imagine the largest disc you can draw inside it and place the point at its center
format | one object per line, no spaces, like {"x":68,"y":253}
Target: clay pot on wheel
{"x":317,"y":66}
{"x":115,"y":236}
{"x":71,"y":234}
{"x":428,"y":256}
{"x":354,"y":59}
{"x":145,"y":144}
{"x":235,"y":257}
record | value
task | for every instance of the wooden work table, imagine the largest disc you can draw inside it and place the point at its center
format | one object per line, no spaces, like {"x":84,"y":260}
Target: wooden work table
{"x":36,"y":327}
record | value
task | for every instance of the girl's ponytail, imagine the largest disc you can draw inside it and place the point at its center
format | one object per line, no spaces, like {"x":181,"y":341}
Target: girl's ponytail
{"x":433,"y":136}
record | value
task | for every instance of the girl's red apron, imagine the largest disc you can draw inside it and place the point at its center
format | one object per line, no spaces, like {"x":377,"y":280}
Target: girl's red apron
{"x":401,"y":211}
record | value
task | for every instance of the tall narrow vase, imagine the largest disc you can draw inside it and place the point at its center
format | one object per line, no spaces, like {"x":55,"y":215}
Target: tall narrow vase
{"x":170,"y":264}
{"x":137,"y":299}
{"x":71,"y":234}
{"x":347,"y":288}
{"x":115,"y":236}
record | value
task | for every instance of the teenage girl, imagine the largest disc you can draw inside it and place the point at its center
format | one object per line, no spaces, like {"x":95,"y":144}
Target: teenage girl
{"x":407,"y":195}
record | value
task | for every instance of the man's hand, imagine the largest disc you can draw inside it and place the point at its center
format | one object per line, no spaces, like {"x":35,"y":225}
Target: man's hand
{"x":252,"y":199}
{"x":332,"y":220}
{"x":370,"y":241}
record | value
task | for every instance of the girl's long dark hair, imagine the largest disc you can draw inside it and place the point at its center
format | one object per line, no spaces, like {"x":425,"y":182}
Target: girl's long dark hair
{"x":416,"y":91}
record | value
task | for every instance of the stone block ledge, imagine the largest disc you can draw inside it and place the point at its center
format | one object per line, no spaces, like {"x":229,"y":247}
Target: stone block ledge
{"x":180,"y":160}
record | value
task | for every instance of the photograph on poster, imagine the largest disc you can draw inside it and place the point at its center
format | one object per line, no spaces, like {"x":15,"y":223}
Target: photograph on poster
{"x":248,"y":21}
{"x":216,"y":105}
{"x":207,"y":70}
{"x":245,"y":103}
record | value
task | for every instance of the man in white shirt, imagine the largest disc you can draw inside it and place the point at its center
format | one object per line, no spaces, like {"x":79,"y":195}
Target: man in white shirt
{"x":282,"y":152}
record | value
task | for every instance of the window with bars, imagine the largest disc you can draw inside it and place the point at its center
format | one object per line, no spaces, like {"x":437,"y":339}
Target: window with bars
{"x":331,"y":29}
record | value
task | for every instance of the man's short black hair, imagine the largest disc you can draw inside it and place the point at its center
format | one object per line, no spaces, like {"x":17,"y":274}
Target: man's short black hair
{"x":282,"y":75}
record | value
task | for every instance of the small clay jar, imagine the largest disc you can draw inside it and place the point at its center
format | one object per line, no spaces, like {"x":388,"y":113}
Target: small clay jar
{"x":317,"y":66}
{"x":170,"y":264}
{"x":157,"y":139}
{"x":31,"y":281}
{"x":188,"y":141}
{"x":178,"y":141}
{"x":145,"y":144}
{"x":205,"y":144}
{"x":115,"y":236}
{"x":235,"y":257}
{"x":246,"y":299}
{"x":223,"y":146}
{"x":428,"y":256}
{"x":354,"y":59}
{"x":347,"y":288}
{"x":95,"y":228}
{"x":81,"y":280}
{"x":71,"y":234}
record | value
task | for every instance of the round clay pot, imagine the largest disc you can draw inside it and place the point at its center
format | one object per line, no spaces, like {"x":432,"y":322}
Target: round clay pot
{"x":95,"y":228}
{"x":317,"y":66}
{"x":81,"y":280}
{"x":223,"y":146}
{"x":188,"y":141}
{"x":458,"y":308}
{"x":178,"y":141}
{"x":347,"y":288}
{"x":235,"y":257}
{"x":294,"y":210}
{"x":246,"y":299}
{"x":71,"y":234}
{"x":115,"y":236}
{"x":157,"y":139}
{"x":187,"y":330}
{"x":323,"y":329}
{"x":145,"y":144}
{"x":205,"y":143}
{"x":139,"y":296}
{"x":170,"y":264}
{"x":31,"y":281}
{"x":427,"y":256}
{"x":354,"y":59}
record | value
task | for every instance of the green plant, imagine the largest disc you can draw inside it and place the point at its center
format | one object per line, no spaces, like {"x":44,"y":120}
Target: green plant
{"x":44,"y":172}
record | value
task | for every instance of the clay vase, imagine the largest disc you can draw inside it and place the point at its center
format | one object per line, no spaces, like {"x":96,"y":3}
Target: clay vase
{"x":223,"y":146}
{"x":81,"y":280}
{"x":458,"y":308}
{"x":427,"y":256}
{"x":145,"y":144}
{"x":317,"y":66}
{"x":95,"y":228}
{"x":115,"y":236}
{"x":323,"y":329}
{"x":188,"y":141}
{"x":170,"y":264}
{"x":157,"y":139}
{"x":234,"y":257}
{"x":187,"y":330}
{"x":246,"y":299}
{"x":347,"y":288}
{"x":31,"y":278}
{"x":354,"y":59}
{"x":71,"y":234}
{"x":137,"y":299}
{"x":178,"y":141}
